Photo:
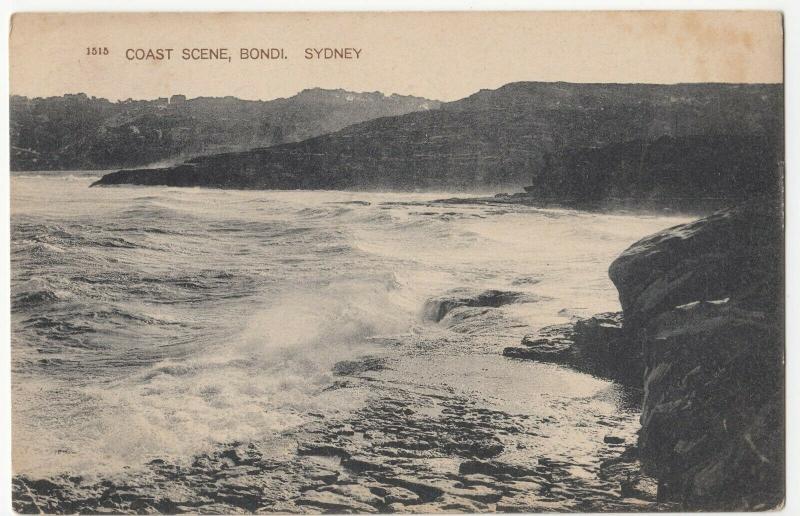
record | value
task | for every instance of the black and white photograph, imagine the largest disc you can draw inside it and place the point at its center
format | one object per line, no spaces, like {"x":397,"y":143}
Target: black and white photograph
{"x":397,"y":262}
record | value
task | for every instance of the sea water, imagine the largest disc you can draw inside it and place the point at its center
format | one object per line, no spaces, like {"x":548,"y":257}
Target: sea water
{"x":157,"y":322}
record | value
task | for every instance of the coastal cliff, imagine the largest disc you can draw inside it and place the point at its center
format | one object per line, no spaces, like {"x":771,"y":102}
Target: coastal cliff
{"x":704,"y":302}
{"x":691,"y":173}
{"x":505,"y":138}
{"x":702,"y":335}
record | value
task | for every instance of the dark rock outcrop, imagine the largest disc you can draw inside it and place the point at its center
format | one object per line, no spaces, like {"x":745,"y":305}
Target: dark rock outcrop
{"x":596,"y":345}
{"x":436,"y":308}
{"x":687,"y":173}
{"x":502,"y":139}
{"x":704,"y":301}
{"x":76,"y":132}
{"x":478,"y":312}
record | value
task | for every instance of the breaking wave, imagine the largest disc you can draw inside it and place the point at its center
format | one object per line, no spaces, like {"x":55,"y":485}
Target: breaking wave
{"x":159,"y":322}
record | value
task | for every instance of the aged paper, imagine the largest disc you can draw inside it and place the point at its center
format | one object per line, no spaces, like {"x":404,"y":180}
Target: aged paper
{"x":397,"y":262}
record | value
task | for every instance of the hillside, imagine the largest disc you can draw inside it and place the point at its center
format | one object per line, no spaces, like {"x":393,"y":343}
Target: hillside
{"x":493,"y":139}
{"x":79,"y":132}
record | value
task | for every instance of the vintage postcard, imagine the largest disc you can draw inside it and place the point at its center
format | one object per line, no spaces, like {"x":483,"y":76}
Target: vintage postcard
{"x":378,"y":262}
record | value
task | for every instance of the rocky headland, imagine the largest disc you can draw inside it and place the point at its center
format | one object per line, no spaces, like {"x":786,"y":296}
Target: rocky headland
{"x":690,"y":174}
{"x":590,"y":142}
{"x":702,"y":333}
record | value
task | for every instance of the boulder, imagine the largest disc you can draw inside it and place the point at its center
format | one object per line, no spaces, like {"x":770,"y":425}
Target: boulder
{"x":596,"y":345}
{"x":438,"y":307}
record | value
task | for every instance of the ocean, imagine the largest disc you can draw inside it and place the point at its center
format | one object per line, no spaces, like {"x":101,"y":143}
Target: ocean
{"x":159,"y":323}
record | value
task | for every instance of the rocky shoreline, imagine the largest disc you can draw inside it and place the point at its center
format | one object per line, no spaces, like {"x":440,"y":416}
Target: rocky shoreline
{"x":701,"y":332}
{"x":705,"y":304}
{"x":422,"y":443}
{"x":435,"y":464}
{"x":410,"y":449}
{"x":698,"y":348}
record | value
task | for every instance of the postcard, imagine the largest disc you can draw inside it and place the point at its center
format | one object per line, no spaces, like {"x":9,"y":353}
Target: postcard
{"x":378,"y":262}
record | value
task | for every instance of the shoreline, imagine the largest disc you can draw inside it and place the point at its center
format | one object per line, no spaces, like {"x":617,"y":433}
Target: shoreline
{"x":417,"y":445}
{"x":701,"y":332}
{"x":427,"y":442}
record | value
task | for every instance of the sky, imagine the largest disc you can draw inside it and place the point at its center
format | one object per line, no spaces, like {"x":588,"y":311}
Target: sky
{"x":437,"y":55}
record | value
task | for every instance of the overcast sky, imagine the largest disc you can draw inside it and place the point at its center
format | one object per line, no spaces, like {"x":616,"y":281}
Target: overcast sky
{"x":443,"y":56}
